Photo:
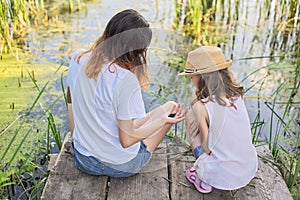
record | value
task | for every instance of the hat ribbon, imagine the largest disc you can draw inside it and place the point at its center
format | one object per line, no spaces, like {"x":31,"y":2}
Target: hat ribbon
{"x":194,"y":70}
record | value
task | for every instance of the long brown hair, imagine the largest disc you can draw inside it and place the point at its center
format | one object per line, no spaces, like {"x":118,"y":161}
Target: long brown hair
{"x":124,"y":42}
{"x":216,"y":85}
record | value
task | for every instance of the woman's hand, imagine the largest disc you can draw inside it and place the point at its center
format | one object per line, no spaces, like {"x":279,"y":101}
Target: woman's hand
{"x":175,"y":114}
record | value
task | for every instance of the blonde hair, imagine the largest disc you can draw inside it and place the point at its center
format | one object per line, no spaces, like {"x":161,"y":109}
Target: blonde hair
{"x":216,"y":85}
{"x":124,"y":42}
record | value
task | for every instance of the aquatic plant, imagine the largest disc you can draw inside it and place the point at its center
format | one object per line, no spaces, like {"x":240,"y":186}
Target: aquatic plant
{"x":13,"y":18}
{"x":17,"y":16}
{"x":198,"y":18}
{"x":194,"y":17}
{"x":283,"y":138}
{"x":14,"y":161}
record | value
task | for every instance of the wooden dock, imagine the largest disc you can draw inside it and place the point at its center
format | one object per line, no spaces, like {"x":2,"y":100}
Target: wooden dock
{"x":163,"y":178}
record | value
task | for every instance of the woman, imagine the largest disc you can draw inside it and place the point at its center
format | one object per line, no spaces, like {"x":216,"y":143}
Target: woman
{"x":112,"y":134}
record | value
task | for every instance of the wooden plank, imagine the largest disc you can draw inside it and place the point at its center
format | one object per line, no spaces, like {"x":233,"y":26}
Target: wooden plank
{"x":66,"y":182}
{"x":82,"y":186}
{"x":151,"y":183}
{"x":52,"y":161}
{"x":181,"y":188}
{"x":267,"y":183}
{"x":163,"y":178}
{"x":182,"y":158}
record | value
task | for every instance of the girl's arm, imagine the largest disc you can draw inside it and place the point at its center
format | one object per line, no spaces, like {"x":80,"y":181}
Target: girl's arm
{"x":203,"y":123}
{"x":131,"y":132}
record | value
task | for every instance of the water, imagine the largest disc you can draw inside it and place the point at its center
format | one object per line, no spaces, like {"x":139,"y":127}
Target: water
{"x":243,"y":29}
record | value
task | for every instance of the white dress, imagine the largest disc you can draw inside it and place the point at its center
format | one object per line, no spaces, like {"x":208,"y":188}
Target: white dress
{"x":233,"y":161}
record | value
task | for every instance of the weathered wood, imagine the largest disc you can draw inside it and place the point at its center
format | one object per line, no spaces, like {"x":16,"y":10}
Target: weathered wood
{"x":66,"y":182}
{"x":52,"y":161}
{"x":162,"y":178}
{"x":181,"y":159}
{"x":180,"y":186}
{"x":151,"y":183}
{"x":267,"y":183}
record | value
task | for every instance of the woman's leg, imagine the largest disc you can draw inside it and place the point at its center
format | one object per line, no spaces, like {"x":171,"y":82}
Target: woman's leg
{"x":155,"y":139}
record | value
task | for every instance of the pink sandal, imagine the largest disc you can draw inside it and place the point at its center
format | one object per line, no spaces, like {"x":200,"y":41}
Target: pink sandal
{"x":192,"y":177}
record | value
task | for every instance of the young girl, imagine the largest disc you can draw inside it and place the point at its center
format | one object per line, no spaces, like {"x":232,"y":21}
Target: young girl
{"x":217,"y":125}
{"x":112,"y":134}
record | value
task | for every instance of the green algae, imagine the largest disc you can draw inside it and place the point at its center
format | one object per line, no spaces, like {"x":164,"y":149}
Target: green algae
{"x":20,"y":76}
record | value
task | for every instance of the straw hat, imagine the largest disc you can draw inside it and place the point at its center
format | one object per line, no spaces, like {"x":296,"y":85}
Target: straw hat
{"x":205,"y":59}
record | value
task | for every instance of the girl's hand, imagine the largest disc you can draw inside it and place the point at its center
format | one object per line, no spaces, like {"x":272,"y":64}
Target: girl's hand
{"x":175,"y":114}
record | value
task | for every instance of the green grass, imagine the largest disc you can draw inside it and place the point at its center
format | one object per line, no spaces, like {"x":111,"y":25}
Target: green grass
{"x":25,"y":135}
{"x":16,"y":82}
{"x":283,"y":141}
{"x":205,"y":21}
{"x":17,"y":16}
{"x":27,"y":125}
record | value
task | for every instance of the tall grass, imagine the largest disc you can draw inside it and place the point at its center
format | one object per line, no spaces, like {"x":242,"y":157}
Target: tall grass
{"x":13,"y":18}
{"x":194,"y":18}
{"x":197,"y":18}
{"x":283,"y":140}
{"x":51,"y":122}
{"x":286,"y":156}
{"x":17,"y":16}
{"x":12,"y":170}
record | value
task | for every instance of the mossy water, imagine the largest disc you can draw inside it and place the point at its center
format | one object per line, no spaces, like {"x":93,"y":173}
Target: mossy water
{"x":18,"y":92}
{"x":30,"y":90}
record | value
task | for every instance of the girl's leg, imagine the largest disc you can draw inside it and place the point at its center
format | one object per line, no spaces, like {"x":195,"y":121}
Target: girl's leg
{"x":193,"y":134}
{"x":155,"y":139}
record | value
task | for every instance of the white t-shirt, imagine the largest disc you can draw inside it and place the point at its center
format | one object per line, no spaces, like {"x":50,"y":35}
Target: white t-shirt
{"x":97,"y":104}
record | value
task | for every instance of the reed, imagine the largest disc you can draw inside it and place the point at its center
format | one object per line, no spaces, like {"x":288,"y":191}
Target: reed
{"x":256,"y":128}
{"x":56,"y":134}
{"x":40,"y":92}
{"x":282,"y":140}
{"x":12,"y":170}
{"x":51,"y":122}
{"x":286,"y":158}
{"x":63,"y":88}
{"x":194,"y":18}
{"x":17,"y":15}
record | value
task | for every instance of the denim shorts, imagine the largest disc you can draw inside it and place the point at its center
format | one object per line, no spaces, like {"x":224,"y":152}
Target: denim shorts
{"x":198,"y":151}
{"x":93,"y":166}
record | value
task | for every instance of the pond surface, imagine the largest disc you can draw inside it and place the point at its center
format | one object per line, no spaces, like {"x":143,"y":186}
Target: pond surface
{"x":245,"y":29}
{"x":254,"y":34}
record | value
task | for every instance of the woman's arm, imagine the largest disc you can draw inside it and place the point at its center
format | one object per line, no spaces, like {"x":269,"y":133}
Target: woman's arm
{"x":70,"y":111}
{"x":203,"y":123}
{"x":131,"y":132}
